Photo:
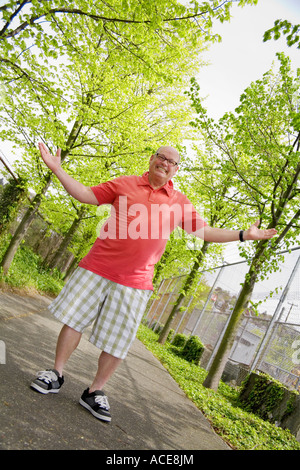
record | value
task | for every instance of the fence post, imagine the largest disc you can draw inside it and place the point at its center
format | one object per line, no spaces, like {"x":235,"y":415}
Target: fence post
{"x":245,"y":320}
{"x":187,"y":307}
{"x":167,"y":303}
{"x":207,"y":300}
{"x":148,"y":310}
{"x":158,"y":300}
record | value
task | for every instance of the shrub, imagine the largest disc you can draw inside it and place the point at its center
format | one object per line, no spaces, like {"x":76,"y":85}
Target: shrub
{"x":193,"y":349}
{"x":266,"y":397}
{"x":179,"y":340}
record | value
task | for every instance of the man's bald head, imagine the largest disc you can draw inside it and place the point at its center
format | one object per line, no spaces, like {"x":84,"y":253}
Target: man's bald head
{"x":170,"y":150}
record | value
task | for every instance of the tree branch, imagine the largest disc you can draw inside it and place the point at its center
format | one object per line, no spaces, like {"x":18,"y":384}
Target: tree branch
{"x":12,"y":16}
{"x":77,"y":11}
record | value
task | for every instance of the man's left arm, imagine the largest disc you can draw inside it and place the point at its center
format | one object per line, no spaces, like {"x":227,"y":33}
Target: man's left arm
{"x":219,"y":235}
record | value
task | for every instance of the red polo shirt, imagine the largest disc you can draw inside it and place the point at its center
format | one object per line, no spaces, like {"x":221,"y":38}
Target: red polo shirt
{"x":134,"y":237}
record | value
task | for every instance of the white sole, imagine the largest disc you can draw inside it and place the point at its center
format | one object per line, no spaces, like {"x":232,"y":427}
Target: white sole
{"x":42,"y":390}
{"x":85,"y":405}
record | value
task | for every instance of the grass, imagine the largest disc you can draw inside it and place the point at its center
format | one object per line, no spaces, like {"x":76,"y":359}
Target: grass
{"x":240,"y":429}
{"x":26,"y":272}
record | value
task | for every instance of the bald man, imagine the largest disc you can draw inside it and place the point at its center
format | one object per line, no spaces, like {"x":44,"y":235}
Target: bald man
{"x":113,"y":282}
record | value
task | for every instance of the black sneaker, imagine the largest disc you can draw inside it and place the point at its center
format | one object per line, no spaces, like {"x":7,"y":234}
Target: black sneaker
{"x":97,"y":403}
{"x":47,"y":381}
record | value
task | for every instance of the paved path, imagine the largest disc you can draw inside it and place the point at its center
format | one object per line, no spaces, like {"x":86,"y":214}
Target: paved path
{"x":149,"y":410}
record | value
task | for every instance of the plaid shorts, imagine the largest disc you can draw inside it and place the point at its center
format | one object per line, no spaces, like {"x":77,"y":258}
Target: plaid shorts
{"x":115,"y":310}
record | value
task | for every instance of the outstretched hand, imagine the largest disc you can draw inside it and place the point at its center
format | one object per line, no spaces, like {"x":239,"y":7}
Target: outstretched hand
{"x":52,"y":162}
{"x":254,"y":233}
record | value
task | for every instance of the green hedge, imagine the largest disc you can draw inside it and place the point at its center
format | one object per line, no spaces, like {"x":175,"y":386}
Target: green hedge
{"x":179,"y":340}
{"x":266,"y":397}
{"x":189,"y":348}
{"x":193,"y":349}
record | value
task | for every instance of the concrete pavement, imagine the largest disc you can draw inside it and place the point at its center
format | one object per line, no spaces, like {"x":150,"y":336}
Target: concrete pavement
{"x":149,"y":410}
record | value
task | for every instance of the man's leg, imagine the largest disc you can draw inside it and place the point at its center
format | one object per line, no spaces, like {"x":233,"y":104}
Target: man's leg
{"x":51,"y":380}
{"x":67,"y":342}
{"x":107,"y":364}
{"x":93,"y":398}
{"x":115,"y":328}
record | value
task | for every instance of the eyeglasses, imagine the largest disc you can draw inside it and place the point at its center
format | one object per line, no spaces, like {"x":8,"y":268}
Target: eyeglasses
{"x":162,"y":158}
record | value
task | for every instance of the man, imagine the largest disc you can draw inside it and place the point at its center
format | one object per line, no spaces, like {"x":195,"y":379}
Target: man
{"x":113,"y":283}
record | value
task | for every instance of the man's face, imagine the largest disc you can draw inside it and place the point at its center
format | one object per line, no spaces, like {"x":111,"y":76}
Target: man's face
{"x":160,"y":170}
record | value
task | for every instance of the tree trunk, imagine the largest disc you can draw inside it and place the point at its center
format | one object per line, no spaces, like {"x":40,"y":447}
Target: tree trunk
{"x":216,"y":370}
{"x":22,"y":228}
{"x":67,"y":239}
{"x":71,"y":269}
{"x":64,"y":265}
{"x":185,"y":289}
{"x":159,"y":267}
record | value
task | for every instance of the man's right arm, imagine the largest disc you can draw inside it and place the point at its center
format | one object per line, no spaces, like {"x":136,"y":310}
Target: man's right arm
{"x":76,"y":189}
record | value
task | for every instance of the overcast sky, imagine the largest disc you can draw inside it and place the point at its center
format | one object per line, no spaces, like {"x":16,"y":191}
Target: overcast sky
{"x":242,"y":56}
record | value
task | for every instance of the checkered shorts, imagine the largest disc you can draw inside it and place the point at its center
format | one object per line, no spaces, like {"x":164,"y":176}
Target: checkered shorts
{"x":115,"y":310}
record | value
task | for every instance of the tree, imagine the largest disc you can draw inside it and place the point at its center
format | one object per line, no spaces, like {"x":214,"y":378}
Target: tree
{"x":106,"y":94}
{"x":261,"y":141}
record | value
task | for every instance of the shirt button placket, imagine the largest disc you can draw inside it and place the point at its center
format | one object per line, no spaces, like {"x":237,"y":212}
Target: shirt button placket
{"x":151,"y":196}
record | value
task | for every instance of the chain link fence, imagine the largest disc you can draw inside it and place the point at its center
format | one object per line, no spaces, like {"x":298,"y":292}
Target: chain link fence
{"x":267,"y":340}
